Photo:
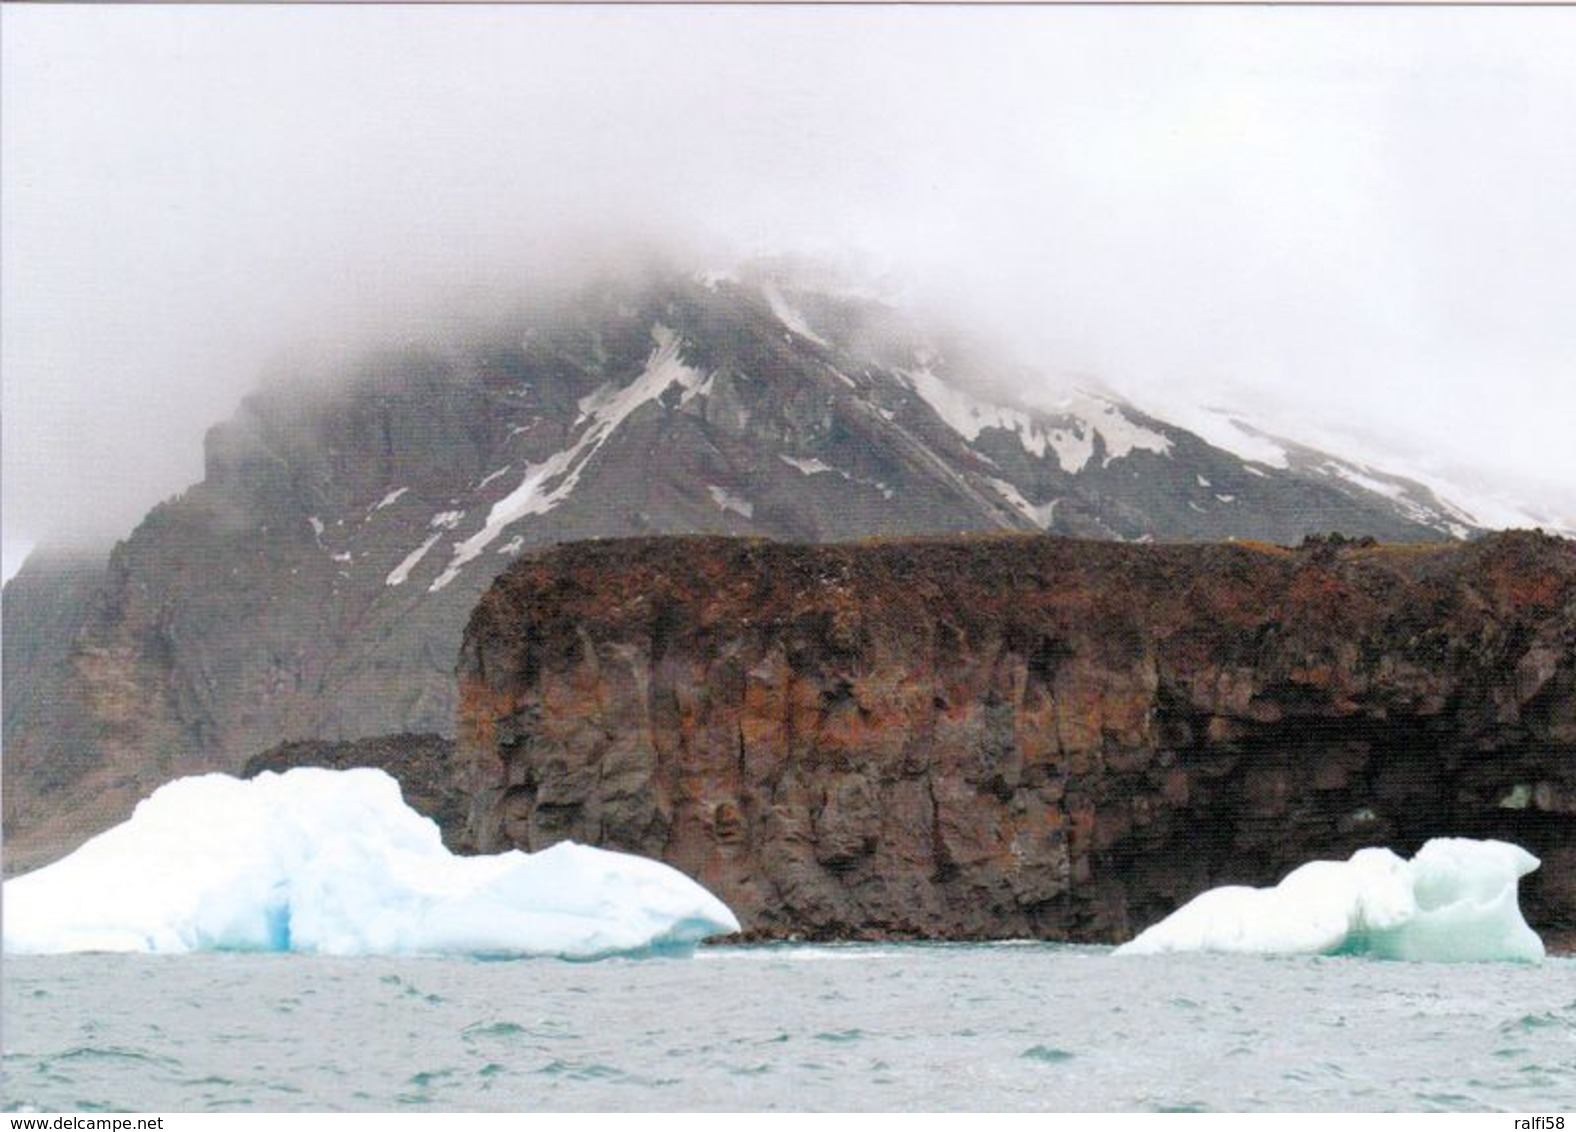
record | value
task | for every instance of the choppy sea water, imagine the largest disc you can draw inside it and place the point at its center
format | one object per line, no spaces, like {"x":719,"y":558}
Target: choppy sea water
{"x":1013,"y":1026}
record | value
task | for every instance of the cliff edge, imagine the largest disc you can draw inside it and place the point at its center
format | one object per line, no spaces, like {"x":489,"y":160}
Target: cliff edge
{"x":1021,"y":736}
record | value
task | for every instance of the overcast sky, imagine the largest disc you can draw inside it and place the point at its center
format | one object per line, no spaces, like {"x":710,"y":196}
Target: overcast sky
{"x":1356,"y":223}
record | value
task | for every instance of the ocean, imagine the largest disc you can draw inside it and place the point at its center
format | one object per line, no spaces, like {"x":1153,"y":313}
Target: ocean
{"x":787,"y":1027}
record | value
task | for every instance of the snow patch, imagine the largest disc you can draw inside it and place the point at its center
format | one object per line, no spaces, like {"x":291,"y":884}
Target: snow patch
{"x":1122,"y":435}
{"x":1454,"y":502}
{"x":317,"y":536}
{"x":1413,"y":500}
{"x":1362,"y":476}
{"x":1040,"y":514}
{"x":1078,"y":418}
{"x":398,"y":575}
{"x":810,"y":467}
{"x":712,"y":278}
{"x":1417,"y":494}
{"x":390,"y":499}
{"x":703,"y":389}
{"x":546,"y":485}
{"x":726,"y":500}
{"x":1454,"y":901}
{"x":512,"y":547}
{"x":790,"y":317}
{"x":814,"y":467}
{"x":492,"y":476}
{"x":1224,"y":429}
{"x":334,"y":863}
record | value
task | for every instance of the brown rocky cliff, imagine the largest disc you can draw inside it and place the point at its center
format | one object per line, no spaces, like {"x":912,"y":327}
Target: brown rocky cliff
{"x":1021,"y":736}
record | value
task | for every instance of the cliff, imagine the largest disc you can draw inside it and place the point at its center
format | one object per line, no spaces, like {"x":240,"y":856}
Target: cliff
{"x":1021,"y":735}
{"x":45,"y":606}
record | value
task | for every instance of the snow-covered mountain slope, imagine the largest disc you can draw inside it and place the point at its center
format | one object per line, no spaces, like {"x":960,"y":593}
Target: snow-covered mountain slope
{"x":1463,"y":503}
{"x":315,"y":583}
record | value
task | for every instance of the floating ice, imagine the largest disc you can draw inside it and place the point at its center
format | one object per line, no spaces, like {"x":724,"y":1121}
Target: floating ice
{"x":333,"y":862}
{"x":1455,"y":901}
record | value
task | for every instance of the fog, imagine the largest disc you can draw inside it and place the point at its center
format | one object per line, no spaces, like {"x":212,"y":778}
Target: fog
{"x":1355,"y":224}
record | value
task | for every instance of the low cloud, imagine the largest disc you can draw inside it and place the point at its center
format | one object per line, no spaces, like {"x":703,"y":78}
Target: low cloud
{"x":1348,"y":219}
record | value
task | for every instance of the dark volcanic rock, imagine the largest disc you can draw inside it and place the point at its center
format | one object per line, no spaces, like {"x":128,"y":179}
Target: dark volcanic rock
{"x":422,"y":764}
{"x":1022,"y":736}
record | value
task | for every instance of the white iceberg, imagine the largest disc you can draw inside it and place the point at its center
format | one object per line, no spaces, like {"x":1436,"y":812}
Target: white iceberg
{"x":334,"y":862}
{"x":1453,"y":902}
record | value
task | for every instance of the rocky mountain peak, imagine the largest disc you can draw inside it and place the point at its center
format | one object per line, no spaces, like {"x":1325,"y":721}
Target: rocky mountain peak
{"x":314,"y":584}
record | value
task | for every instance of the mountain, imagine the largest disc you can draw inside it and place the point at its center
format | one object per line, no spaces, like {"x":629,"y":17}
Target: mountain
{"x":315,"y":583}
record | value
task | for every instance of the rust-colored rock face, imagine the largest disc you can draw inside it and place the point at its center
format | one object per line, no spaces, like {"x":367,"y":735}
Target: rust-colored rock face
{"x":1021,"y":737}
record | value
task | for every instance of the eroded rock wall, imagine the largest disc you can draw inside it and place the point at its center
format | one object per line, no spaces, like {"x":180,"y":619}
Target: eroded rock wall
{"x":1017,"y":736}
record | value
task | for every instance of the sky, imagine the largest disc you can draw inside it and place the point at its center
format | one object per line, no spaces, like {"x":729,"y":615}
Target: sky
{"x":1354,"y":225}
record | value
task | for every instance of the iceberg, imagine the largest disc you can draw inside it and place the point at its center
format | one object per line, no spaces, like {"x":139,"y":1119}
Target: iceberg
{"x":335,"y":863}
{"x":1455,"y":901}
